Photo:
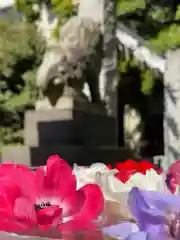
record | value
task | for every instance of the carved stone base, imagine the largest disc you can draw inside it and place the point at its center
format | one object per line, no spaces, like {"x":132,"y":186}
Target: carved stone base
{"x":73,"y":124}
{"x":43,"y":104}
{"x":69,"y":97}
{"x":69,"y":102}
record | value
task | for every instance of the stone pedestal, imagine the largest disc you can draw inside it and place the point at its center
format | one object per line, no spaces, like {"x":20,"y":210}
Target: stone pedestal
{"x":78,"y":133}
{"x":36,"y":156}
{"x":68,"y":127}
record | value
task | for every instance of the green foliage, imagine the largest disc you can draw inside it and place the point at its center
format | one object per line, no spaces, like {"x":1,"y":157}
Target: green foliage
{"x":156,"y":22}
{"x":63,"y":9}
{"x":21,"y":51}
{"x":126,"y":6}
{"x":31,"y":9}
{"x":148,"y":81}
{"x":168,"y":38}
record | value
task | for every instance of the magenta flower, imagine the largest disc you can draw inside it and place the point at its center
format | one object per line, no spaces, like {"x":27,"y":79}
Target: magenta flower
{"x":173,"y":177}
{"x":156,"y":215}
{"x":46,"y":202}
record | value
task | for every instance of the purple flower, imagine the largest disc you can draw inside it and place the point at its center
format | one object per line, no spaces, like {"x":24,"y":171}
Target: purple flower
{"x":156,"y":215}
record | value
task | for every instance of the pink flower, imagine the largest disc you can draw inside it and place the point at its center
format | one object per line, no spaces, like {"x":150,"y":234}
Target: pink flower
{"x":46,"y":202}
{"x":173,"y":177}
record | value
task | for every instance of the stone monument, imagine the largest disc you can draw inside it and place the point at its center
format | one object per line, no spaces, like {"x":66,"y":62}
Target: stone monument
{"x":65,"y":121}
{"x":70,"y":62}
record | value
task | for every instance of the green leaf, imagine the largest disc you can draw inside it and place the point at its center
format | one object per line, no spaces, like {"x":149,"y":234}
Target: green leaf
{"x":124,"y":6}
{"x":21,"y":51}
{"x":178,"y":13}
{"x":148,"y":82}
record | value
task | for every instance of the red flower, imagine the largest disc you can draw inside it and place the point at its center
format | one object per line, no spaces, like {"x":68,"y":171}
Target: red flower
{"x":46,"y":202}
{"x":128,"y":168}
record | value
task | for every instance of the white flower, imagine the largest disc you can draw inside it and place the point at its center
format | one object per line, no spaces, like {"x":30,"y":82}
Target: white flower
{"x":116,"y":192}
{"x":152,"y":181}
{"x":112,"y":188}
{"x":90,"y":174}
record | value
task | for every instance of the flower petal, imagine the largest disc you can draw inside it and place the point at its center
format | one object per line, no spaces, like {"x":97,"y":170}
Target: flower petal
{"x":151,"y":181}
{"x":128,"y":164}
{"x":162,"y":201}
{"x":150,"y":207}
{"x":144,"y":165}
{"x":12,"y":226}
{"x":40,"y":173}
{"x":24,"y":211}
{"x":174,"y":169}
{"x":155,"y":233}
{"x":49,"y":217}
{"x":21,"y":176}
{"x":126,"y":169}
{"x":58,"y":177}
{"x":92,"y":203}
{"x":122,"y":230}
{"x":138,"y":236}
{"x":109,"y":166}
{"x":158,"y":232}
{"x":143,"y":212}
{"x":9,"y":191}
{"x":124,"y":175}
{"x":95,"y":235}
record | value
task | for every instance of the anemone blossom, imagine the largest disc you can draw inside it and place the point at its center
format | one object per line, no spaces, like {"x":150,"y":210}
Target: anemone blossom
{"x":46,"y":202}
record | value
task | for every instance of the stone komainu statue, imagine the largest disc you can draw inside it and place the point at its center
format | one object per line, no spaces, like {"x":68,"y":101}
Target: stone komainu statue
{"x":71,"y":61}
